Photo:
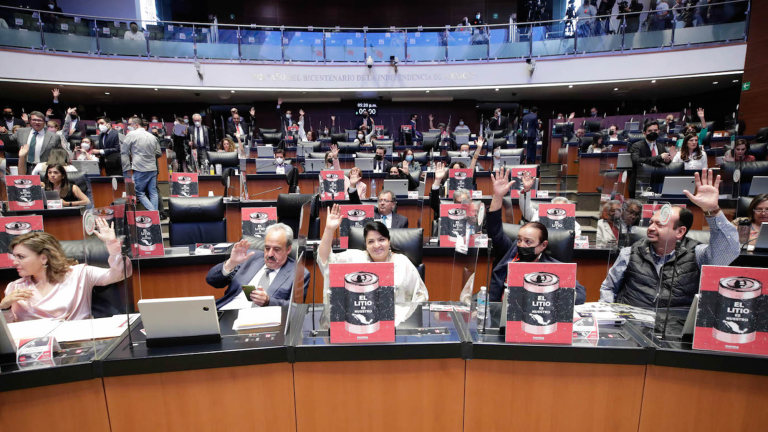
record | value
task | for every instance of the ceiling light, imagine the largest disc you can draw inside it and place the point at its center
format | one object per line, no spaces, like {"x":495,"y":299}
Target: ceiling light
{"x":427,"y":91}
{"x":155,"y":89}
{"x":735,"y":80}
{"x":616,"y":89}
{"x":496,"y":89}
{"x":570,"y":86}
{"x":653,"y":82}
{"x":232,"y":91}
{"x":714,"y":82}
{"x":106,"y":93}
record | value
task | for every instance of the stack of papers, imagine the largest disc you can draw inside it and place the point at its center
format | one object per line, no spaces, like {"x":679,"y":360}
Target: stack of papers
{"x":256,"y":318}
{"x":617,"y":314}
{"x":71,"y":331}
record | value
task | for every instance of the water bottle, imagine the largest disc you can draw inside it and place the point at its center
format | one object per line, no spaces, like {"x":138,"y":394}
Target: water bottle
{"x":373,"y":188}
{"x":482,"y":302}
{"x":298,"y":189}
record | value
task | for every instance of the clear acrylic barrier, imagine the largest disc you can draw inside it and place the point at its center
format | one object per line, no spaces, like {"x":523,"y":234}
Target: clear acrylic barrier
{"x":261,"y":44}
{"x":646,"y":30}
{"x":75,"y":34}
{"x":172,"y":40}
{"x":468,"y":43}
{"x":345,"y":46}
{"x":383,"y":45}
{"x":426,"y":46}
{"x":217,"y":42}
{"x":23,"y":29}
{"x":302,"y":45}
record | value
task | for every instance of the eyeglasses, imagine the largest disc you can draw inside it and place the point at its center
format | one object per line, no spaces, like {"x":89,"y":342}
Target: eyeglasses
{"x":760,"y":212}
{"x":385,"y":201}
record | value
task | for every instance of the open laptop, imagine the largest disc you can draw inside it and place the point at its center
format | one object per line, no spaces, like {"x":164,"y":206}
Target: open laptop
{"x":758,"y":186}
{"x":314,"y":165}
{"x":508,"y":160}
{"x":266,"y":166}
{"x":7,"y":344}
{"x":761,"y":243}
{"x":466,"y":160}
{"x":304,"y":148}
{"x":631,"y":126}
{"x":265,"y":151}
{"x":86,"y":166}
{"x":676,"y":185}
{"x":170,"y":321}
{"x":624,"y":161}
{"x":434,"y":131}
{"x":388,"y":148}
{"x":398,"y":187}
{"x":462,"y":139}
{"x":365,"y":164}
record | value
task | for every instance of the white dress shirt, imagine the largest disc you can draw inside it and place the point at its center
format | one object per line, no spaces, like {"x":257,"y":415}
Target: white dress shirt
{"x":138,"y":36}
{"x":243,"y":302}
{"x":38,"y":143}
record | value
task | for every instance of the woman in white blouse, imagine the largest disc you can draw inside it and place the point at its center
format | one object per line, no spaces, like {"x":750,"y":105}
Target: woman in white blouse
{"x":691,"y":154}
{"x":409,"y":288}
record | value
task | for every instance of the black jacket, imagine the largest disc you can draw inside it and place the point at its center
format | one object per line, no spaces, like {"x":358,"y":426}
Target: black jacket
{"x":110,"y":142}
{"x":398,"y":221}
{"x":531,"y":125}
{"x":641,"y":154}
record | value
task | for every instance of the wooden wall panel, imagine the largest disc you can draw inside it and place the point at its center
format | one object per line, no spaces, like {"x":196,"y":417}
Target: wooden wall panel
{"x":753,"y":109}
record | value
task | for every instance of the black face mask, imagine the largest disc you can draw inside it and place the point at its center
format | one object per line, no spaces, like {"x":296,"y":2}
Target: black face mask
{"x":378,"y":157}
{"x":329,"y":162}
{"x":8,"y":115}
{"x":526,"y":254}
{"x":652,"y":136}
{"x":73,"y":116}
{"x":393,"y":176}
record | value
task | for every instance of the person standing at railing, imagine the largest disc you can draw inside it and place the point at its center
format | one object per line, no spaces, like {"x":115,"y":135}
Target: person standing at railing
{"x":604,"y":10}
{"x":586,"y":14}
{"x":134,"y":34}
{"x":631,"y":16}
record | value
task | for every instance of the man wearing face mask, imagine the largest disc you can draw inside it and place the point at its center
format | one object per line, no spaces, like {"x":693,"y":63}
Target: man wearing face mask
{"x":647,"y":151}
{"x":613,"y":133}
{"x":380,"y":163}
{"x":198,"y":135}
{"x":109,"y":146}
{"x":286,"y":119}
{"x":238,"y":128}
{"x":531,"y":245}
{"x":10,"y":120}
{"x":461,"y":127}
{"x":531,"y":131}
{"x":498,"y":122}
{"x":134,"y":34}
{"x":593,"y":112}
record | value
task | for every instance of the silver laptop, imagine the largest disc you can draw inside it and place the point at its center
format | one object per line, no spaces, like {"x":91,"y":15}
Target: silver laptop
{"x":676,"y":185}
{"x":466,"y":160}
{"x":631,"y":126}
{"x":314,"y":165}
{"x":624,"y":161}
{"x":434,"y":131}
{"x":762,"y":238}
{"x":87,"y":167}
{"x":508,"y":160}
{"x":387,"y":148}
{"x":759,"y":185}
{"x":398,"y":187}
{"x":181,"y":317}
{"x":267,"y":165}
{"x":351,"y":135}
{"x":304,"y":148}
{"x":7,"y":344}
{"x":265,"y":151}
{"x":365,"y":164}
{"x":462,"y":139}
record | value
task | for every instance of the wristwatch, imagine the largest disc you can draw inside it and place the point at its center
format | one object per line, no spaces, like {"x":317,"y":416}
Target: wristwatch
{"x":712,"y":213}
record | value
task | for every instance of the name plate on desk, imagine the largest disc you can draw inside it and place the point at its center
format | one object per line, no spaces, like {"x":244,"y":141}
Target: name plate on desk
{"x":539,"y":303}
{"x":413,"y":194}
{"x":542,"y":194}
{"x":362,"y":302}
{"x":477,"y":194}
{"x":54,"y":204}
{"x":581,"y":242}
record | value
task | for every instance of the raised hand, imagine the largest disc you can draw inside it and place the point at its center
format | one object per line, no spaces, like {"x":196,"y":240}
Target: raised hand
{"x":405,"y":168}
{"x":479,"y":148}
{"x":707,"y":191}
{"x":253,"y":112}
{"x":500,"y":184}
{"x":700,"y":112}
{"x":279,"y":101}
{"x":24,"y":151}
{"x":440,"y":172}
{"x":49,"y":113}
{"x":333,"y":222}
{"x":3,"y":129}
{"x":56,"y":92}
{"x":528,"y":181}
{"x":104,"y":232}
{"x":430,"y":117}
{"x":335,"y":151}
{"x":71,"y":111}
{"x":25,"y":117}
{"x":333,"y":118}
{"x":239,"y":254}
{"x":354,"y":178}
{"x":301,"y":112}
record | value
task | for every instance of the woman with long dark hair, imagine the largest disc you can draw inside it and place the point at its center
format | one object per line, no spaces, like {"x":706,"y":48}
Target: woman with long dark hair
{"x":691,"y":154}
{"x":71,"y":195}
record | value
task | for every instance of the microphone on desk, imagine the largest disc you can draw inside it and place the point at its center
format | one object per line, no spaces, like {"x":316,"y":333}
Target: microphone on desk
{"x":263,"y":192}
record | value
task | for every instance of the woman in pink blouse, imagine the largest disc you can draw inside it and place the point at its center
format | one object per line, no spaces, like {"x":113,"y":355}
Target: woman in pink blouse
{"x":54,"y":286}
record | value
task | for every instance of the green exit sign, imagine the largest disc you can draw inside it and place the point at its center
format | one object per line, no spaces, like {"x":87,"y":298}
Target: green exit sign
{"x":745,"y":86}
{"x":495,"y":16}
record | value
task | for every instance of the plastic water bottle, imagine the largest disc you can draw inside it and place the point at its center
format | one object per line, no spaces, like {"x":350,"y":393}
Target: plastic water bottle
{"x":482,"y":302}
{"x":298,"y":189}
{"x":373,"y":188}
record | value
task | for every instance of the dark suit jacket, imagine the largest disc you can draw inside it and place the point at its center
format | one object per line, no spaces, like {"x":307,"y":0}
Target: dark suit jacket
{"x":231,"y":129}
{"x":531,"y":125}
{"x":502,"y":123}
{"x":16,"y":122}
{"x":279,"y":291}
{"x":641,"y":154}
{"x":192,"y":130}
{"x":398,"y":221}
{"x":110,"y":142}
{"x":506,"y":250}
{"x":21,"y":137}
{"x":387,"y":165}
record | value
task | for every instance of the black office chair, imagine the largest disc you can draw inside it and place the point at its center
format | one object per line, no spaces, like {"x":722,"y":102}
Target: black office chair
{"x":407,"y":241}
{"x":641,"y":233}
{"x":387,"y":142}
{"x":420,"y":157}
{"x":429,"y":142}
{"x":197,"y":220}
{"x":348,"y":147}
{"x":759,"y":151}
{"x":315,"y":155}
{"x":748,"y":171}
{"x":742,"y":207}
{"x":499,"y":142}
{"x":762,"y":135}
{"x":710,"y":125}
{"x":225,"y":159}
{"x":497,"y":133}
{"x":274,"y":138}
{"x":585,"y":143}
{"x":265,"y":130}
{"x":656,"y":174}
{"x":106,"y":300}
{"x":289,"y":212}
{"x":592,"y":125}
{"x":560,"y":245}
{"x":634,"y":137}
{"x":336,"y":137}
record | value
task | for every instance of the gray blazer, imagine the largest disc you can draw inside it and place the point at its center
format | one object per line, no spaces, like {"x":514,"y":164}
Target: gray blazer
{"x":50,"y":141}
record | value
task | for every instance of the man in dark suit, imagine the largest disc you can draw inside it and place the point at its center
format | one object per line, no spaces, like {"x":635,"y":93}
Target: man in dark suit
{"x":365,"y":120}
{"x":283,"y":167}
{"x":286,"y":120}
{"x":498,"y":122}
{"x":647,"y":151}
{"x":39,"y":139}
{"x":385,"y":210}
{"x":531,"y":131}
{"x":414,"y":131}
{"x":380,"y":162}
{"x":10,"y":121}
{"x":199,"y":139}
{"x":271,"y":271}
{"x":109,"y":146}
{"x":238,"y":127}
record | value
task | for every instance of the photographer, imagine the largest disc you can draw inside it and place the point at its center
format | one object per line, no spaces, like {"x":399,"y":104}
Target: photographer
{"x":630,"y":10}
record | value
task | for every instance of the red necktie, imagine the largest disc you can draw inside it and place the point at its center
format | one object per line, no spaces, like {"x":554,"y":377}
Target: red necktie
{"x":653,"y":150}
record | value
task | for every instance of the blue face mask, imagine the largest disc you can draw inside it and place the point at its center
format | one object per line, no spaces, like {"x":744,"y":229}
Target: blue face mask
{"x":409,"y":158}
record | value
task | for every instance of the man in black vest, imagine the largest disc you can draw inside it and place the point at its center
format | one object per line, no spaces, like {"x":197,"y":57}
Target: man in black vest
{"x":634,"y":278}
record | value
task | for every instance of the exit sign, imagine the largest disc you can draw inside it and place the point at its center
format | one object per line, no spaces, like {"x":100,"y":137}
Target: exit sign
{"x":495,"y":16}
{"x":745,"y":86}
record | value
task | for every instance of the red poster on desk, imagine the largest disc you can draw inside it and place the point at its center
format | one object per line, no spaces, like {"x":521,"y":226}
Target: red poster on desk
{"x":558,"y":216}
{"x":540,"y":303}
{"x":732,"y":315}
{"x":362,"y":302}
{"x":650,"y":209}
{"x":184,"y":185}
{"x":460,"y":179}
{"x":353,"y":216}
{"x":256,"y":220}
{"x":332,"y":185}
{"x":149,"y":235}
{"x":458,"y":221}
{"x":25,"y":192}
{"x":517,"y":179}
{"x":12,"y":227}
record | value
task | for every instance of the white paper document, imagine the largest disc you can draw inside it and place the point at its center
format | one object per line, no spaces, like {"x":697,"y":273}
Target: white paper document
{"x":254,"y":318}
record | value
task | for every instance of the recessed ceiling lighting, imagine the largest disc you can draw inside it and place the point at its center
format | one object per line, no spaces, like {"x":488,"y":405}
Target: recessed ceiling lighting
{"x":106,"y":93}
{"x":155,"y":89}
{"x":570,"y":86}
{"x":616,"y":89}
{"x":735,"y":80}
{"x":232,"y":91}
{"x":496,"y":89}
{"x":427,"y":91}
{"x":653,"y":82}
{"x":714,"y":82}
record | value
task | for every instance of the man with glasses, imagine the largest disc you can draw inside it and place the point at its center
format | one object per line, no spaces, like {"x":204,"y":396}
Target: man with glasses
{"x":385,"y":210}
{"x":39,"y":139}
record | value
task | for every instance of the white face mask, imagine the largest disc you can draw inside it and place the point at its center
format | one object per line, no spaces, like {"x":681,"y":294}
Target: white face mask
{"x":186,"y":121}
{"x":197,"y":124}
{"x":279,"y":160}
{"x":85,"y":146}
{"x":288,"y":116}
{"x":131,"y":128}
{"x":461,"y":123}
{"x":103,"y":128}
{"x":464,"y":154}
{"x":497,"y":153}
{"x":360,"y":136}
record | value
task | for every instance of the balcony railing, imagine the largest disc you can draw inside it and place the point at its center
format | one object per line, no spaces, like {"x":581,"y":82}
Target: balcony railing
{"x":103,"y":36}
